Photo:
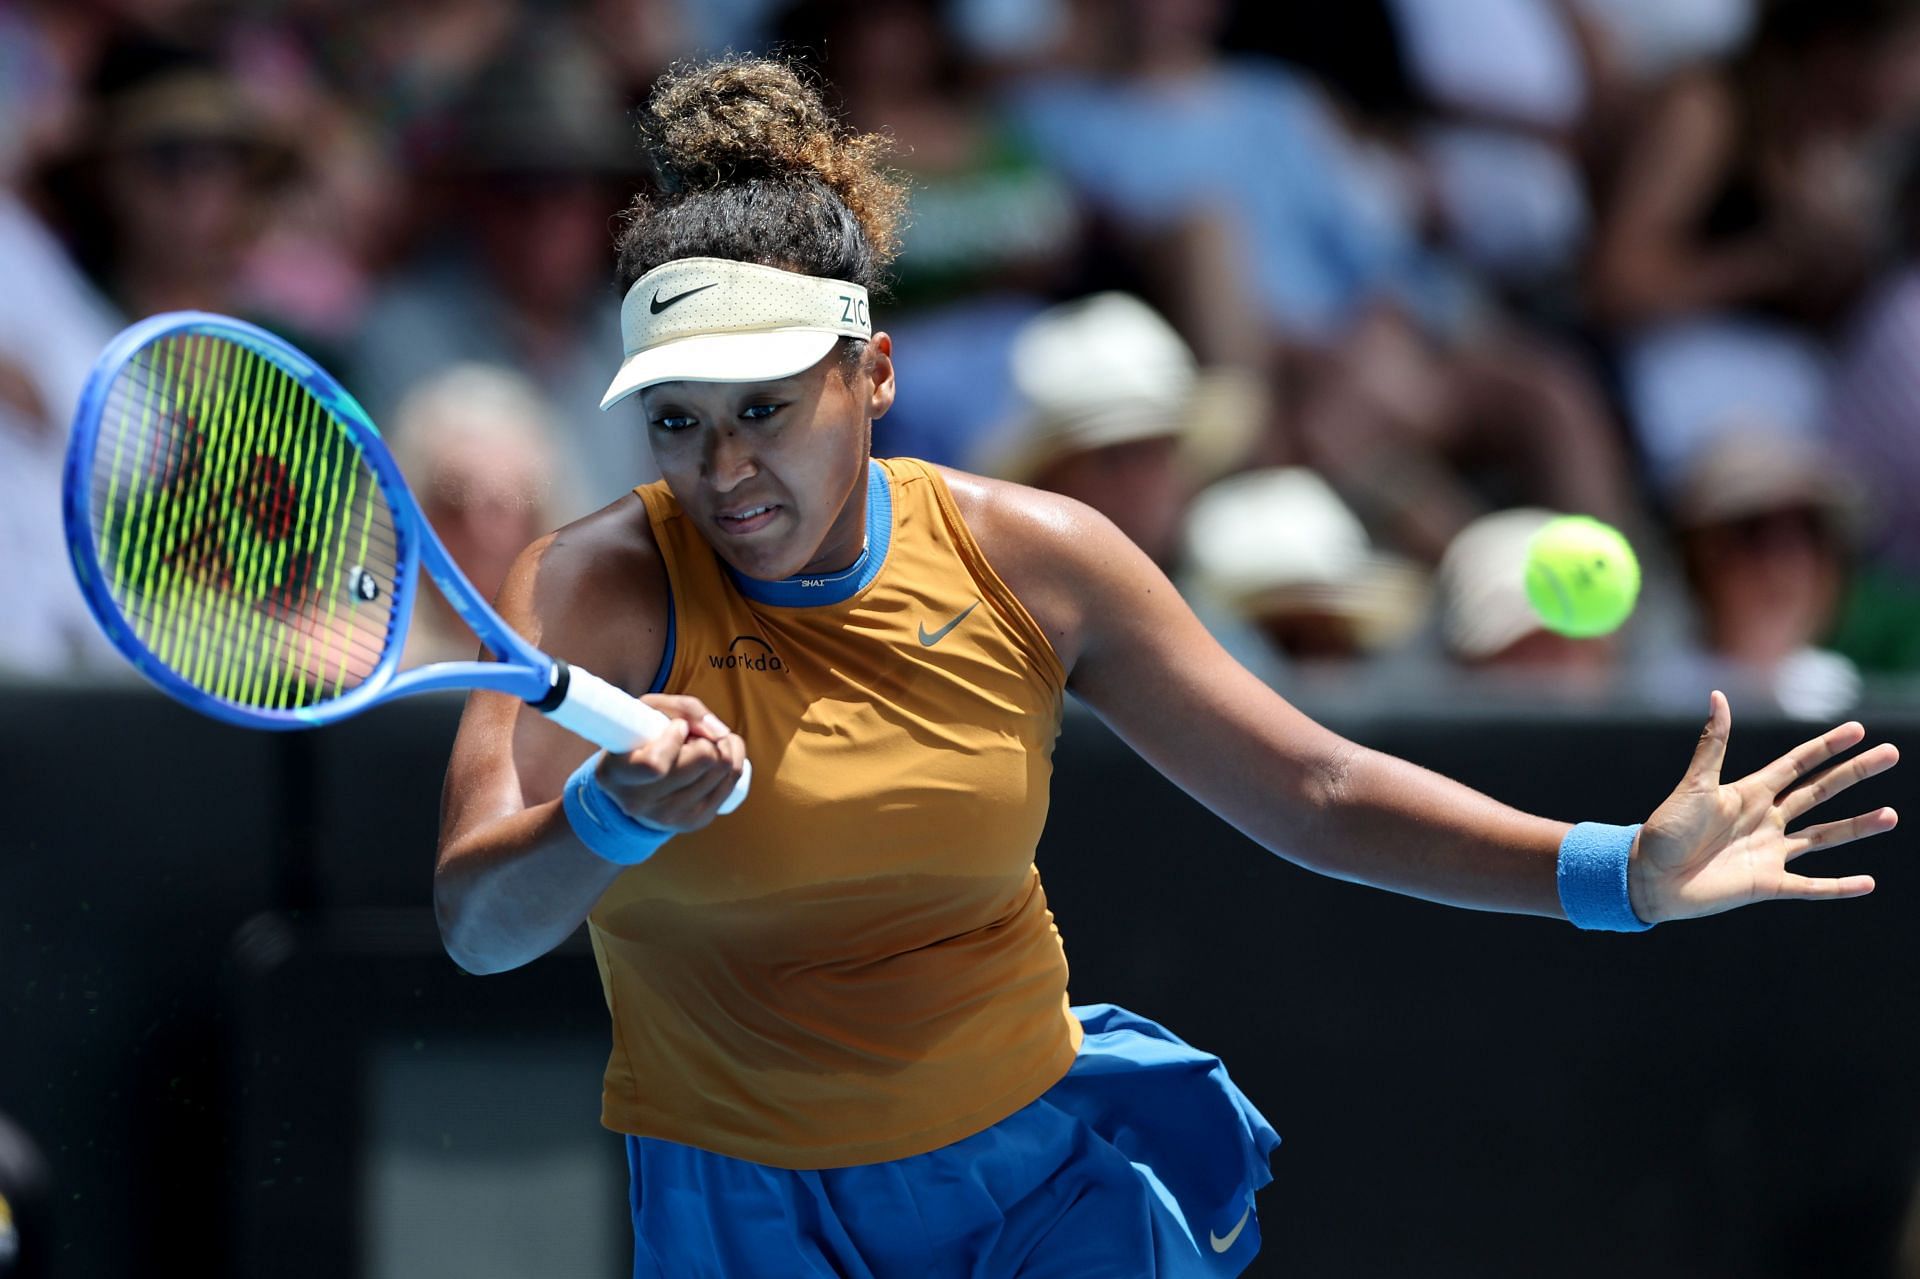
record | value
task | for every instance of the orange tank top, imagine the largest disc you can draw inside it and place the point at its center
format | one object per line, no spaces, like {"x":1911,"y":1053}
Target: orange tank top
{"x":858,"y":964}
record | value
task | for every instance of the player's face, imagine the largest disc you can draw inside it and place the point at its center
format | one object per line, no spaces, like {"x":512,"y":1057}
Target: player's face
{"x":774,"y":473}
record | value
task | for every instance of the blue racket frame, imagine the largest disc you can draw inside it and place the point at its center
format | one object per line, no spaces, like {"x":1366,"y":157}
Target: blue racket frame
{"x":522,"y":670}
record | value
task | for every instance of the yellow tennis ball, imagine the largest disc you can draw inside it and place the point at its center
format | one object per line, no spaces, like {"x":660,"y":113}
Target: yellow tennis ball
{"x":1582,"y":576}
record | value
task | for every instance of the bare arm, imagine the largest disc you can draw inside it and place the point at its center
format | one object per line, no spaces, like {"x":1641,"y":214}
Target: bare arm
{"x":1648,"y":261}
{"x":512,"y":881}
{"x":1138,"y":657}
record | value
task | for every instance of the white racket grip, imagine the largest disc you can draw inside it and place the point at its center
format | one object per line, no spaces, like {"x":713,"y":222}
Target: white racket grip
{"x":614,"y":720}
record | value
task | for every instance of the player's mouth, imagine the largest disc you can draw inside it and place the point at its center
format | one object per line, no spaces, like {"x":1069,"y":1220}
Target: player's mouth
{"x":748,"y":519}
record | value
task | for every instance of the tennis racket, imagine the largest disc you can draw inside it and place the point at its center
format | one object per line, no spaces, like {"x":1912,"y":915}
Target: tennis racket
{"x":244,"y":537}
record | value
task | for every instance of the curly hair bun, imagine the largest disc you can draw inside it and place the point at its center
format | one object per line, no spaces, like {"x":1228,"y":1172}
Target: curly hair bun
{"x":745,"y":120}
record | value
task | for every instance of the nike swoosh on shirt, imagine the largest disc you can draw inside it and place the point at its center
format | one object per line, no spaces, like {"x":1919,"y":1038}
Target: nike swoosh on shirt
{"x":1219,"y":1244}
{"x":657,"y":306}
{"x":937,"y":636}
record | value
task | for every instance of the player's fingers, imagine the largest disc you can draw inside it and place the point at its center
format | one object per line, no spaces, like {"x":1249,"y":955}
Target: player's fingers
{"x":691,"y":709}
{"x":1809,"y":755}
{"x":1799,"y":888}
{"x":1834,"y":834}
{"x":694,"y":763}
{"x":1824,"y":786}
{"x":694,"y":805}
{"x":714,"y":794}
{"x":733,"y":749}
{"x":1711,"y":752}
{"x":647,"y":763}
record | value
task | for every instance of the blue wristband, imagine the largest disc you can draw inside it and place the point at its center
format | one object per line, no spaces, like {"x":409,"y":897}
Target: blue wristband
{"x":602,"y":825}
{"x":1593,"y":878}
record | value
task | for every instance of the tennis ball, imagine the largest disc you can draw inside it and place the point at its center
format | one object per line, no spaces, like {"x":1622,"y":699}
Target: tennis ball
{"x":1582,"y":576}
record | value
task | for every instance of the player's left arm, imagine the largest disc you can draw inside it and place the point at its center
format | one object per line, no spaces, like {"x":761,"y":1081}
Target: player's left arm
{"x":1138,"y":657}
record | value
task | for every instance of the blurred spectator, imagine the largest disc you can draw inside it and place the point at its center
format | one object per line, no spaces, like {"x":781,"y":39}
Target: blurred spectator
{"x":641,"y":38}
{"x":1506,"y":95}
{"x":1407,"y":393}
{"x":51,"y":328}
{"x":1765,"y":527}
{"x":992,"y":233}
{"x":1873,"y":415}
{"x":171,"y":184}
{"x":1743,"y":218}
{"x":478,"y":447}
{"x":1486,"y":621}
{"x":1283,"y":573}
{"x":1648,"y":39}
{"x":1114,"y":413}
{"x":39,"y":101}
{"x":1152,"y":125}
{"x":1422,"y":439}
{"x":407,"y":61}
{"x":516,"y":274}
{"x":339,"y":215}
{"x":26,"y":1248}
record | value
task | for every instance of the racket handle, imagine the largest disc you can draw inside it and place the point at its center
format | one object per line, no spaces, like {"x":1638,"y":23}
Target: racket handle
{"x":614,"y":720}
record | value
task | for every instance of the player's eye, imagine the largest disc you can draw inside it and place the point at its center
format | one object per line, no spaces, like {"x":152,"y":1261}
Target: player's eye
{"x":759,"y":412}
{"x":673,"y":422}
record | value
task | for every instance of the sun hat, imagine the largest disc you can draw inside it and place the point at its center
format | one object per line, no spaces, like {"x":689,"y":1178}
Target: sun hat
{"x":1748,"y":473}
{"x":1106,"y":370}
{"x":1279,"y":541}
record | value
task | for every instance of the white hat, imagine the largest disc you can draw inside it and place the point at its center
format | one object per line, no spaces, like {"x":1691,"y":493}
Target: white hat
{"x":1482,"y":583}
{"x":1280,"y":541}
{"x":718,"y":320}
{"x":1106,"y":370}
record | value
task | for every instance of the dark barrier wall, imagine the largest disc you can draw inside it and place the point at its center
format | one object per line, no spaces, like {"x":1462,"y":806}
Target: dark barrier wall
{"x":210,"y":941}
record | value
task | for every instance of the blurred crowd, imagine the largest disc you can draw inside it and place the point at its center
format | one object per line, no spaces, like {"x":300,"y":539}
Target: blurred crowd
{"x":1329,"y":307}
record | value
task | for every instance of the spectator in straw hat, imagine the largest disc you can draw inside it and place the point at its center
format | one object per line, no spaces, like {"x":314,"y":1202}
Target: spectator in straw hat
{"x":1766,"y":526}
{"x":1282,"y":558}
{"x":515,"y":274}
{"x":1115,"y":412}
{"x":170,"y":186}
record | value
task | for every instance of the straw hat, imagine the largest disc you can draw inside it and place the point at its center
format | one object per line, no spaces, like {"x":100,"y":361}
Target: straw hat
{"x":1756,"y":473}
{"x":1107,"y":370}
{"x":1278,"y":541}
{"x":191,"y":103}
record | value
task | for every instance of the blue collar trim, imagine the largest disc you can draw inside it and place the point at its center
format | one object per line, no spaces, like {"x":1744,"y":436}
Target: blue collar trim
{"x":799,"y":592}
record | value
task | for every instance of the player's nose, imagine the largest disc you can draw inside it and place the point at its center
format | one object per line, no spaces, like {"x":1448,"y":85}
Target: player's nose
{"x":730,"y":460}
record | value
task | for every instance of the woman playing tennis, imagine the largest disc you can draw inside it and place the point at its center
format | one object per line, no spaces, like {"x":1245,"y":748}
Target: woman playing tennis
{"x":841,"y":1037}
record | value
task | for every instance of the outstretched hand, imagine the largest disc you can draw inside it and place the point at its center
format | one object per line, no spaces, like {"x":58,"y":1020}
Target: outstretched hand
{"x":1714,"y":845}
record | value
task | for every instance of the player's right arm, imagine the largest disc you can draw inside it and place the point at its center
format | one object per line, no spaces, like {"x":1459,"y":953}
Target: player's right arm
{"x":512,"y":881}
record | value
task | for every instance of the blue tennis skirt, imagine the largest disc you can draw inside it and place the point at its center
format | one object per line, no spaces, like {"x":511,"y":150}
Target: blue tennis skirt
{"x":1142,"y":1161}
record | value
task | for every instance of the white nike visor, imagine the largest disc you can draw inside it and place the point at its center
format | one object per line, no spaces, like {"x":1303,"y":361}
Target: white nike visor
{"x":717,"y":320}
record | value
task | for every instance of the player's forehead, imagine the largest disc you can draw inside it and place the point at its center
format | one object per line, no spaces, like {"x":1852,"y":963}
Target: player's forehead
{"x":689,"y":390}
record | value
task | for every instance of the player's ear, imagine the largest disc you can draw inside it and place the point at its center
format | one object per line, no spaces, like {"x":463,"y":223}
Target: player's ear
{"x":878,"y":379}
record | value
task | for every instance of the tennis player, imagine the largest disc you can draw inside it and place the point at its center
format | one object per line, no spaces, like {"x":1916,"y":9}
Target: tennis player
{"x":841,"y":1037}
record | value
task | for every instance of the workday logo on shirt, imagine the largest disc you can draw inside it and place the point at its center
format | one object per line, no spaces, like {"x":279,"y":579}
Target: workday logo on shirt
{"x":747,"y":653}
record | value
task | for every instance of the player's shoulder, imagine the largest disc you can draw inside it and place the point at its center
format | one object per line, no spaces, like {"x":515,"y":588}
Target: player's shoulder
{"x":1013,"y":521}
{"x":600,"y":574}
